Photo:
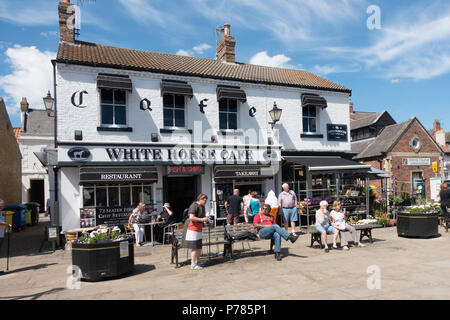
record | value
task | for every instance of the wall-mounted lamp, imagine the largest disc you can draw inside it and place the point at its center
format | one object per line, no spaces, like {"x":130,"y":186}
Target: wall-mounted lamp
{"x":275,"y":114}
{"x":48,"y":102}
{"x":213,"y":139}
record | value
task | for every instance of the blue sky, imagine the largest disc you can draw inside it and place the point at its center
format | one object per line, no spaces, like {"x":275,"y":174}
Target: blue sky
{"x":402,"y":67}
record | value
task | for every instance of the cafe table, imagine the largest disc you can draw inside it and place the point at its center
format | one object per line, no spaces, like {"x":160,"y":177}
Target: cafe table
{"x":151,"y":224}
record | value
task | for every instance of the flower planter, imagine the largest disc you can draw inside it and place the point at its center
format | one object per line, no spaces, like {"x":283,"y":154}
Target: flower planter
{"x":103,"y":260}
{"x":420,"y":225}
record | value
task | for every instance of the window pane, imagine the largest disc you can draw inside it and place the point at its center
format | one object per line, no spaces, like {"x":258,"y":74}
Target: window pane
{"x":121,"y":114}
{"x":101,"y":197}
{"x":119,"y":97}
{"x":223,"y":105}
{"x":312,"y":124}
{"x":107,"y":115}
{"x":113,"y":194}
{"x":147,"y":193}
{"x":312,"y":111}
{"x":179,"y":102}
{"x":125,"y":196}
{"x":305,"y":125}
{"x":106,"y":96}
{"x":88,"y":197}
{"x":232,"y":121}
{"x":136,"y":195}
{"x":232,"y":105}
{"x":168,"y":118}
{"x":168,"y":100}
{"x":223,"y":121}
{"x":179,"y":118}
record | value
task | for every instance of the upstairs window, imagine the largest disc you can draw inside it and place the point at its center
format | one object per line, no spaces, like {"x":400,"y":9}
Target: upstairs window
{"x":309,"y":119}
{"x":113,"y":107}
{"x":228,"y":114}
{"x":173,"y":105}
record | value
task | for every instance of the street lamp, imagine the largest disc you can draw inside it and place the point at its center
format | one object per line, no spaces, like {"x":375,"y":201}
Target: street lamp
{"x":275,"y":114}
{"x":48,"y":102}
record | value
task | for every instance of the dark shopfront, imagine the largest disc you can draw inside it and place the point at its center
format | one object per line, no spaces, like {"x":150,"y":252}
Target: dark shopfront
{"x":181,"y":187}
{"x":244,"y":178}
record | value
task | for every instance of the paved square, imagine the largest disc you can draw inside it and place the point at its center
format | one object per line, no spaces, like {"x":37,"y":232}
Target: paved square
{"x":408,"y":269}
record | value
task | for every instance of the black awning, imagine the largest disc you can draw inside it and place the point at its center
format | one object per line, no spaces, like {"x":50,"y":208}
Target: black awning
{"x":243,"y":172}
{"x":329,"y":164}
{"x":115,"y":175}
{"x":309,"y":99}
{"x":108,"y":81}
{"x":231,"y":93}
{"x":176,"y":87}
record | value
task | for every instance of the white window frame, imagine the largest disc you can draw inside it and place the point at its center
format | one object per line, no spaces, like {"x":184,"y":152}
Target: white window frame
{"x":104,"y":125}
{"x":309,"y":117}
{"x":184,"y":110}
{"x":227,"y":112}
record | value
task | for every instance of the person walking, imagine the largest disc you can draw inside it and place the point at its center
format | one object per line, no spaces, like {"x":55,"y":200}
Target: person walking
{"x":3,"y":224}
{"x":268,"y":229}
{"x":338,"y":221}
{"x":192,"y":233}
{"x":253,"y":207}
{"x":444,"y":200}
{"x":234,"y":206}
{"x":246,"y":200}
{"x":287,"y":200}
{"x":323,"y":225}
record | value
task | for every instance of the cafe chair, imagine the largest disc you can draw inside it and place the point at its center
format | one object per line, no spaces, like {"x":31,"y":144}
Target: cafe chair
{"x":128,"y":231}
{"x":70,"y":238}
{"x":170,"y":228}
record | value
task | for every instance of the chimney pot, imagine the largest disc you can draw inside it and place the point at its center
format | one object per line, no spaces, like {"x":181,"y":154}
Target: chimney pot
{"x":225,"y":47}
{"x":24,"y":105}
{"x":436,"y":125}
{"x":350,"y":105}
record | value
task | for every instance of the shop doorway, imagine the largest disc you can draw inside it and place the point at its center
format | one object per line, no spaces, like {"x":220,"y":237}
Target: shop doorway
{"x":37,"y":193}
{"x":180,"y":193}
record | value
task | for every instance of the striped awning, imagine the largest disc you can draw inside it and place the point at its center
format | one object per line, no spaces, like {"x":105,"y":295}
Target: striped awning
{"x":224,"y":92}
{"x":176,"y":87}
{"x":107,"y":81}
{"x":309,"y":99}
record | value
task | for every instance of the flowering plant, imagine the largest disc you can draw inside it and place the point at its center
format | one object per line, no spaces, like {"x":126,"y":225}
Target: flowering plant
{"x":425,"y":207}
{"x":102,"y":236}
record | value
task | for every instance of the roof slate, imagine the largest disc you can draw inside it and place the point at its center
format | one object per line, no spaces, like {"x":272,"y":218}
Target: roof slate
{"x":39,"y":123}
{"x":361,"y":121}
{"x":93,"y":54}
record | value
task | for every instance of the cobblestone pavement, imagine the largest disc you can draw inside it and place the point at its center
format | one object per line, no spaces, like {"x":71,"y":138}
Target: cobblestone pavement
{"x":407,"y":269}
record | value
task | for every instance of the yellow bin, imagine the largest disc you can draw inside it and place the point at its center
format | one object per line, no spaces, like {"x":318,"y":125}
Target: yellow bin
{"x":28,"y":218}
{"x":8,"y":219}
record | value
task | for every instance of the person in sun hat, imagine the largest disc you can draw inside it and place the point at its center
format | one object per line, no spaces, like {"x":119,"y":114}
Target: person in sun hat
{"x":323,"y":225}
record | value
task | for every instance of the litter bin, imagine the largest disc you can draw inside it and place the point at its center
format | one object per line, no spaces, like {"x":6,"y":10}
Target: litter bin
{"x":19,"y":217}
{"x":28,"y":218}
{"x":8,"y":217}
{"x":34,"y":207}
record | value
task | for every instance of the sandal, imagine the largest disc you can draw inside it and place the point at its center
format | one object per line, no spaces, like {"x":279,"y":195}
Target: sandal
{"x":196,"y":267}
{"x":335,"y":247}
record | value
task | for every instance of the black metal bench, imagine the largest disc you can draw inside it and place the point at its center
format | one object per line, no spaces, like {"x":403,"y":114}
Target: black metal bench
{"x":210,"y":236}
{"x":232,"y":231}
{"x":365,"y":231}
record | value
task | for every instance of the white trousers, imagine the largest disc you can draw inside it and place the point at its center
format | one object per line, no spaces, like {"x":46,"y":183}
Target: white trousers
{"x":138,"y":232}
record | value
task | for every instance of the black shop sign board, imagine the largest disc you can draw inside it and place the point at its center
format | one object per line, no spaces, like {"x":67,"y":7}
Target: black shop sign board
{"x":111,"y":216}
{"x":337,"y":132}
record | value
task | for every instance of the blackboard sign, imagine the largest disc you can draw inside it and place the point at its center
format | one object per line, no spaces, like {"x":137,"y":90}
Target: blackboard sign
{"x":337,"y":132}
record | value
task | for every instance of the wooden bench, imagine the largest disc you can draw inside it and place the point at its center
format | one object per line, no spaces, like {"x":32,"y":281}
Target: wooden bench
{"x":235,"y":229}
{"x":365,"y":231}
{"x":210,"y":236}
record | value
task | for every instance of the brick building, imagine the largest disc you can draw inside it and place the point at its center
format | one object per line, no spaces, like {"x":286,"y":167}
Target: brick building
{"x":405,"y":150}
{"x":443,"y":139}
{"x":10,"y":160}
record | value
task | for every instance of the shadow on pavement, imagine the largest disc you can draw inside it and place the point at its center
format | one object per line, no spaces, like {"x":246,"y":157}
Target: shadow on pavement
{"x":36,"y":267}
{"x":34,"y":296}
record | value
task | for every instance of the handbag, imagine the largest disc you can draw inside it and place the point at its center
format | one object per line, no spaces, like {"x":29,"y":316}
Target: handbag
{"x":246,"y":235}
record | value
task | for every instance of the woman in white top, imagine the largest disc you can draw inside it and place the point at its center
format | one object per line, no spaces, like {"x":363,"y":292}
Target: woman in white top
{"x":246,"y":200}
{"x":139,"y":230}
{"x":323,"y":225}
{"x":338,"y":220}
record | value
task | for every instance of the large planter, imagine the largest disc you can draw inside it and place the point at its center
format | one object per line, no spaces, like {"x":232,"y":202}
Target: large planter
{"x":420,"y":225}
{"x":103,"y":260}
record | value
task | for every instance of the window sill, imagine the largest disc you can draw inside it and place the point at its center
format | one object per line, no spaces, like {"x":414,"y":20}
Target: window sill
{"x":231,"y":132}
{"x":311,"y":135}
{"x":115,"y":129}
{"x":166,"y":130}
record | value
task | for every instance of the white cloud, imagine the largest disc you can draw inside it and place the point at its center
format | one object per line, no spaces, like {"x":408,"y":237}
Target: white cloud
{"x":201,"y":48}
{"x":28,"y":13}
{"x":31,"y":77}
{"x":393,"y":81}
{"x":182,"y":52}
{"x":48,"y":34}
{"x":277,"y":61}
{"x":327,"y":69}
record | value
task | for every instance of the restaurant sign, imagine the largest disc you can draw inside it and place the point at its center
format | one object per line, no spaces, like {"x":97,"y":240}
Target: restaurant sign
{"x":112,"y":216}
{"x":337,"y":132}
{"x":185,"y":170}
{"x":416,"y":161}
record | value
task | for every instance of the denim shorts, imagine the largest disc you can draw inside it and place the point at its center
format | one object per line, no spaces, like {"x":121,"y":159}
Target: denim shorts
{"x":290,"y":214}
{"x":329,"y":229}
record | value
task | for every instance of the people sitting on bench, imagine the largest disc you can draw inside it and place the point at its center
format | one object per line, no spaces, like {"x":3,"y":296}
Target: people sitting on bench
{"x":267,"y":229}
{"x":338,"y":220}
{"x":323,"y":225}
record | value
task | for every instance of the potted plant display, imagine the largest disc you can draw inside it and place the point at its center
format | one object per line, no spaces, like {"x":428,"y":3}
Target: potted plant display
{"x":103,"y":253}
{"x":418,"y":221}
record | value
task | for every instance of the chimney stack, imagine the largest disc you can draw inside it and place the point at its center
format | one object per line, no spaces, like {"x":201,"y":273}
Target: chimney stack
{"x":24,"y":113}
{"x":436,"y":126}
{"x":350,"y":106}
{"x":225,"y":47}
{"x":66,"y":13}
